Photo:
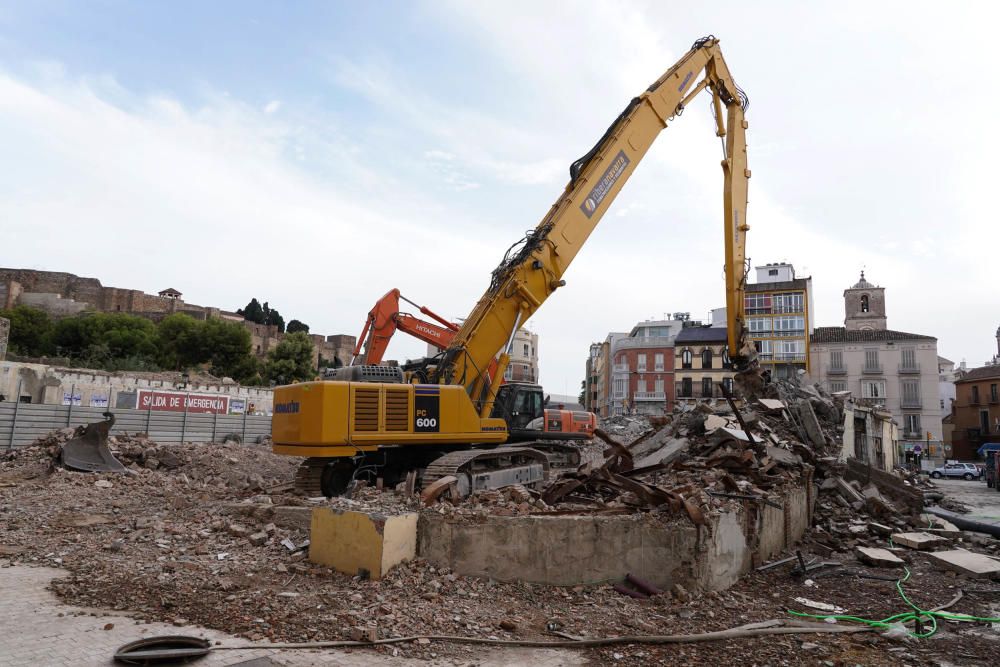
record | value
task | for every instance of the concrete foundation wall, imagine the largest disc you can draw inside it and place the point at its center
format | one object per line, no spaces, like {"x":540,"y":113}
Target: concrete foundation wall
{"x":587,"y":549}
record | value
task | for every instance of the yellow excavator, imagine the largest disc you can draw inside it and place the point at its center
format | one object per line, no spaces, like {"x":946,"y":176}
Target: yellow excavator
{"x":372,"y":420}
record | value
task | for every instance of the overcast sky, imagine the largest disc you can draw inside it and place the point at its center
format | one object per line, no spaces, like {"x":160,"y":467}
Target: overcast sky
{"x":315,"y":155}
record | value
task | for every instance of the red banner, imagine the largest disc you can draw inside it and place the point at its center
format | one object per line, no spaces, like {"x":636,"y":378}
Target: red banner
{"x":171,"y":401}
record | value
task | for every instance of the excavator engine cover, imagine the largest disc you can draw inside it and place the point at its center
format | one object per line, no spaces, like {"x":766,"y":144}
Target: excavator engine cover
{"x":89,"y":451}
{"x":365,"y":374}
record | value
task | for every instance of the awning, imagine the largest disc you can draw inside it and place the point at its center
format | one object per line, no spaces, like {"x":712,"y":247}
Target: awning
{"x":988,"y":447}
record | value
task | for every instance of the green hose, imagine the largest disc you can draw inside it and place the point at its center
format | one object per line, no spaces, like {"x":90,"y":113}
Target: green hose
{"x":907,"y":616}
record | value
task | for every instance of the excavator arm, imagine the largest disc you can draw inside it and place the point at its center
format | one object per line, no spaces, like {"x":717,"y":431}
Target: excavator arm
{"x":532,"y":268}
{"x":385,"y":318}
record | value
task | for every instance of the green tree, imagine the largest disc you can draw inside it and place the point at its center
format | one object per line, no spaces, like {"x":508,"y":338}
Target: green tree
{"x":296,"y":325}
{"x":291,"y":359}
{"x":252,"y":312}
{"x":272,"y":316}
{"x":98,"y":339}
{"x":227,"y":345}
{"x":30,"y":331}
{"x":180,"y":342}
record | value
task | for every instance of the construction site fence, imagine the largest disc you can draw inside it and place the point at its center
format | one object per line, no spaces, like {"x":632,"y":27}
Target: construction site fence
{"x":23,"y":423}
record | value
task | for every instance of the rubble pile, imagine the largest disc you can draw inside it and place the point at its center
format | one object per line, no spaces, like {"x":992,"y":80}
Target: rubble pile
{"x":706,"y":456}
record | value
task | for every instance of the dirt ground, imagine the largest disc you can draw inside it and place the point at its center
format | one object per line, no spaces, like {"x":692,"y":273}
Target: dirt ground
{"x":166,"y":545}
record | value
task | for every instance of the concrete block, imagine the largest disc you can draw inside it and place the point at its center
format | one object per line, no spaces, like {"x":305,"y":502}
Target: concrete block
{"x":290,"y":516}
{"x":878,"y":557}
{"x":968,"y":563}
{"x":919,"y":541}
{"x":352,"y":542}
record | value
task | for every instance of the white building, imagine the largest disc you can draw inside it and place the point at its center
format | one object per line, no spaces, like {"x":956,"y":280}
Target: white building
{"x":892,"y":369}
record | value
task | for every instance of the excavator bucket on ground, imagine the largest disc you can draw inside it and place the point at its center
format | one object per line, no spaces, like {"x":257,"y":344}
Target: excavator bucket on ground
{"x":89,"y":451}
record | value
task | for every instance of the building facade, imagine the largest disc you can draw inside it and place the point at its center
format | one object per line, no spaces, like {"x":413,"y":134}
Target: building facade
{"x":523,"y":365}
{"x":779,"y":311}
{"x":701,"y":363}
{"x":893,"y":370}
{"x":642,"y":367}
{"x":976,"y":411}
{"x":870,"y":435}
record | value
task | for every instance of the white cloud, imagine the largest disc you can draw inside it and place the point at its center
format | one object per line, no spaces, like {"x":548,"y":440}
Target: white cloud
{"x":272,"y":106}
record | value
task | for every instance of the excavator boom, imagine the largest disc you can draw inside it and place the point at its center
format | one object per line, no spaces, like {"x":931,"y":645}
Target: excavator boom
{"x":532,"y":269}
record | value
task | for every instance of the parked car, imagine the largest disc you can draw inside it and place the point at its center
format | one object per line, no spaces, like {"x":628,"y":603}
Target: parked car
{"x":963,"y":470}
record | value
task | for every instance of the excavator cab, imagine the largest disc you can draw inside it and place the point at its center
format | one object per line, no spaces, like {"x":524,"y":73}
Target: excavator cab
{"x":518,"y":404}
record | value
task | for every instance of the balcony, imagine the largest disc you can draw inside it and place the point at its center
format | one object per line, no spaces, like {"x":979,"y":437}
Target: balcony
{"x":836,"y":370}
{"x":909,"y":369}
{"x":913,"y":435}
{"x":911,"y":403}
{"x":620,"y":368}
{"x":650,"y":396}
{"x":788,"y":310}
{"x":792,"y":357}
{"x":974,"y":400}
{"x":642,"y":341}
{"x":872,"y":370}
{"x":973,"y":433}
{"x":618,"y":394}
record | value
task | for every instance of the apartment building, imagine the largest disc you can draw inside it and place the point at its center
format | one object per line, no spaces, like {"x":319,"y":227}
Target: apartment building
{"x":894,"y":370}
{"x":976,"y":414}
{"x":701,"y":362}
{"x":523,"y":365}
{"x":779,"y":310}
{"x":642,"y":370}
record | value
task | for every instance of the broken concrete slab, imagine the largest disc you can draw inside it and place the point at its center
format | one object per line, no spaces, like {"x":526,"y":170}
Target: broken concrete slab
{"x":968,"y":563}
{"x":810,"y":423}
{"x":771,"y":403}
{"x":919,"y":541}
{"x":938,"y":525}
{"x":783,"y":456}
{"x":667,"y":453}
{"x":880,"y":529}
{"x":849,"y":493}
{"x":714,"y":422}
{"x":878,"y":557}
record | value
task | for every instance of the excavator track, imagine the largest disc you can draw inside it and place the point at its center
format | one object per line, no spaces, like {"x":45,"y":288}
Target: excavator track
{"x":309,"y":477}
{"x":479,"y":469}
{"x":562,"y":455}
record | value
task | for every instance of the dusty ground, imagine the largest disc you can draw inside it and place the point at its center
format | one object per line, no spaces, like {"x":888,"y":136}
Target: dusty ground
{"x":163,"y":545}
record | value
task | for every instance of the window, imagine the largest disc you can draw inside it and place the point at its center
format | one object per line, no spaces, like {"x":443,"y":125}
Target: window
{"x":759,"y":326}
{"x":838,"y":385}
{"x":873,"y":389}
{"x":527,"y":350}
{"x":788,"y":303}
{"x":706,"y":358}
{"x":728,"y":384}
{"x":706,"y":387}
{"x":910,"y":393}
{"x":984,"y":422}
{"x":994,"y":397}
{"x":658,"y":386}
{"x":864,"y":303}
{"x":757,"y":304}
{"x":641,"y":362}
{"x":687,"y":391}
{"x":640,"y":387}
{"x":909,"y":358}
{"x":658,"y":361}
{"x":772,"y":272}
{"x":789,"y":326}
{"x":911,"y":424}
{"x":871,"y":360}
{"x":620,"y":387}
{"x":837,"y":359}
{"x":726,"y":361}
{"x":763,"y":348}
{"x":686,"y":358}
{"x":790,"y":350}
{"x":975,"y":395}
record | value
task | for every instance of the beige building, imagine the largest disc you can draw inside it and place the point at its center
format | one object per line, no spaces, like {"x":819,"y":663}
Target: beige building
{"x":870,"y":435}
{"x":523,"y":365}
{"x":895,"y":370}
{"x":701,"y":362}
